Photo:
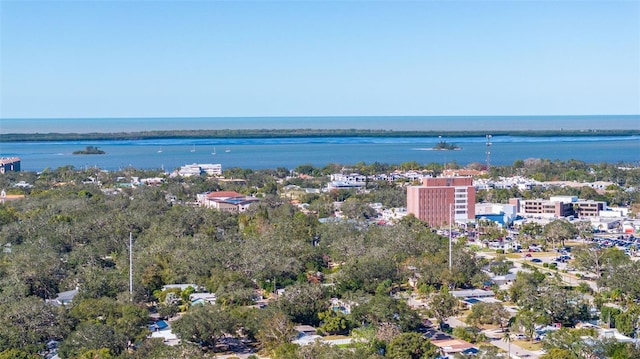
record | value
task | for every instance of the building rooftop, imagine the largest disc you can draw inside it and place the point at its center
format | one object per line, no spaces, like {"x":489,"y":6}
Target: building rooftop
{"x":7,"y":160}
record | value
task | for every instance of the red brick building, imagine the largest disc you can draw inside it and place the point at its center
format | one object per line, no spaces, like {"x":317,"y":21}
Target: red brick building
{"x":440,"y":199}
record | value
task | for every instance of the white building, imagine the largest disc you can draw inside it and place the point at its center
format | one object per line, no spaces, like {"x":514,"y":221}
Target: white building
{"x":198,"y":169}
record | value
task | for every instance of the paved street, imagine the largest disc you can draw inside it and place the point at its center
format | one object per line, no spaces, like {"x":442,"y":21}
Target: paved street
{"x":496,"y":339}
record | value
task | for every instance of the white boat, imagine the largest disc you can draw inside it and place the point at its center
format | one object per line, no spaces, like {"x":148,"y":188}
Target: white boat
{"x":193,"y":149}
{"x":227,"y":150}
{"x":214,"y":151}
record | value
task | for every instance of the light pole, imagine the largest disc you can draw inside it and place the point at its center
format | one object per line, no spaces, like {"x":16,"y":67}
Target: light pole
{"x":450,"y":238}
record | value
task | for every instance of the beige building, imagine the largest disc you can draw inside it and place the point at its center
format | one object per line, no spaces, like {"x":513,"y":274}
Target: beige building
{"x":228,"y":201}
{"x":559,"y":206}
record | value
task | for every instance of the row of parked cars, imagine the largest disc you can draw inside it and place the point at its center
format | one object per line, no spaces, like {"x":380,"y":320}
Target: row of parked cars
{"x":626,"y":244}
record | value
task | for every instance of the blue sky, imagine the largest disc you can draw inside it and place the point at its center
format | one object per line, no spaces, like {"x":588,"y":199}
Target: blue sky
{"x":318,"y":58}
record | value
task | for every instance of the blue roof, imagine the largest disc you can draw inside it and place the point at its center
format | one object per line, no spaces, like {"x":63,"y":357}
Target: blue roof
{"x":471,"y":351}
{"x":159,"y":325}
{"x":499,"y":218}
{"x":235,"y":200}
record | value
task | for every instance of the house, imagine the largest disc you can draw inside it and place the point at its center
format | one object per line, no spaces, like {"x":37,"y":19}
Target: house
{"x":338,"y":305}
{"x":162,"y":329}
{"x":305,"y":330}
{"x":179,"y":286}
{"x":504,"y":279}
{"x":9,"y":197}
{"x":153,"y":181}
{"x":64,"y":298}
{"x":23,"y":184}
{"x":306,"y":335}
{"x":202,"y":298}
{"x":472,"y":293}
{"x":452,"y":346}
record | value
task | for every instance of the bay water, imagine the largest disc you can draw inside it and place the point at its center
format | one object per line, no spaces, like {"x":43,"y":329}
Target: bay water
{"x":319,"y":151}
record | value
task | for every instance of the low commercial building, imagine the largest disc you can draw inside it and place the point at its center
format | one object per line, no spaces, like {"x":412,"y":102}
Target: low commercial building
{"x":196,"y":169}
{"x":503,"y":214}
{"x":335,"y":185}
{"x":584,"y":209}
{"x":228,"y":201}
{"x":559,"y":206}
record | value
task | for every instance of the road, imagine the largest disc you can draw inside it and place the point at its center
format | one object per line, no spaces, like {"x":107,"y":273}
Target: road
{"x":496,"y":340}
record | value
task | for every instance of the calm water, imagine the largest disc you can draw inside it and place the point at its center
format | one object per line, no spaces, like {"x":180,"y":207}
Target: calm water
{"x":288,"y":153}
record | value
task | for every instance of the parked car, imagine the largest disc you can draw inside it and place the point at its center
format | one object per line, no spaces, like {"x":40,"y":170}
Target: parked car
{"x":536,"y":260}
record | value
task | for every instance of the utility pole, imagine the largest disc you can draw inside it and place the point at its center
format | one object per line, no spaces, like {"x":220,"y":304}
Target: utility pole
{"x":130,"y":266}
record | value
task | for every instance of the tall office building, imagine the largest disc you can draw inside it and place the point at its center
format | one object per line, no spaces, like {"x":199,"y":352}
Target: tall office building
{"x":439,"y":200}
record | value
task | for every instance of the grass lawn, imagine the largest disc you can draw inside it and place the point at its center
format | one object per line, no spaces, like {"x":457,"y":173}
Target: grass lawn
{"x":335,"y":337}
{"x":489,"y":326}
{"x":528,"y":345}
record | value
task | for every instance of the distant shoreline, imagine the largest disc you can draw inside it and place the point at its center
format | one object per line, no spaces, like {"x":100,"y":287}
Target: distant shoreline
{"x":296,"y":133}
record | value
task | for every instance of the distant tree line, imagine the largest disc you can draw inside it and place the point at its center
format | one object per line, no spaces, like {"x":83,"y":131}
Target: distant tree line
{"x":288,"y":133}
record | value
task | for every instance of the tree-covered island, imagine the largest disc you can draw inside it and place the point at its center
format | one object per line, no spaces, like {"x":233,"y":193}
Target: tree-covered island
{"x":446,"y":146}
{"x":89,"y":150}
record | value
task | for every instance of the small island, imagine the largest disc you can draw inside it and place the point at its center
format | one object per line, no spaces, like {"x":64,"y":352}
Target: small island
{"x":90,"y":150}
{"x":443,"y":145}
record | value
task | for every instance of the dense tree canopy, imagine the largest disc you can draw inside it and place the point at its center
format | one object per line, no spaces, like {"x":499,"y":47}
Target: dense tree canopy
{"x":71,"y":233}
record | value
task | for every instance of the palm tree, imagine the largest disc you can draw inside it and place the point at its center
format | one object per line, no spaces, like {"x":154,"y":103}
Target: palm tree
{"x":507,"y":338}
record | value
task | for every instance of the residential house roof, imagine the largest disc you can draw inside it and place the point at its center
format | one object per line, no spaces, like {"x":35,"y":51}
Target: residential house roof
{"x":179,"y":286}
{"x":65,"y":298}
{"x":452,"y":345}
{"x":472,"y":293}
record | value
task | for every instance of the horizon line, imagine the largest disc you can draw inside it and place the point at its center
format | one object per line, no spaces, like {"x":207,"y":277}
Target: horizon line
{"x":302,"y":116}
